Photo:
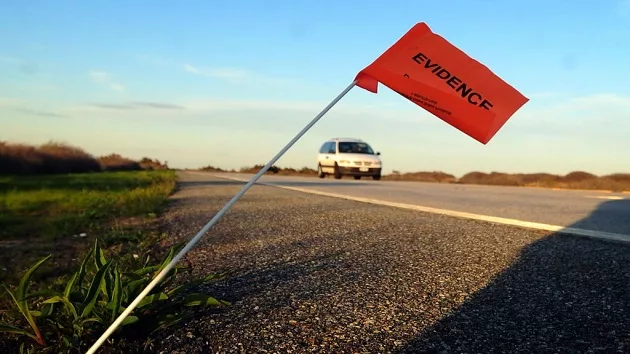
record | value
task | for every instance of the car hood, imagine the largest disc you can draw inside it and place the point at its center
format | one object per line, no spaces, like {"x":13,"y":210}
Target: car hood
{"x":359,"y":157}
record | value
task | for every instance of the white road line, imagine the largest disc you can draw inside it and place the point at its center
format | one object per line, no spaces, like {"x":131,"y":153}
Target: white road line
{"x":607,"y":197}
{"x":600,"y":235}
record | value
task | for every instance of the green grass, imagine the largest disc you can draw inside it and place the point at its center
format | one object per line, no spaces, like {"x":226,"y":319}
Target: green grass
{"x":39,"y":218}
{"x":43,"y":214}
{"x":63,"y":205}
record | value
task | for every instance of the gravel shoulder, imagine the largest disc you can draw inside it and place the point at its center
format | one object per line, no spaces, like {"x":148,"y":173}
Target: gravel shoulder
{"x":315,"y":274}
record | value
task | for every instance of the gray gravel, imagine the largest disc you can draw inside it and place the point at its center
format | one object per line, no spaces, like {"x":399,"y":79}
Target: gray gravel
{"x":316,"y":274}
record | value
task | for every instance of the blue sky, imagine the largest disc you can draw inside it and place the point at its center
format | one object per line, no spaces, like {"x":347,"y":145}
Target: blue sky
{"x":230,"y":83}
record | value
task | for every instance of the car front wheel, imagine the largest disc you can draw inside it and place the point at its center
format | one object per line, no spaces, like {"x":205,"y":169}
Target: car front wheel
{"x":320,"y":173}
{"x":337,"y":174}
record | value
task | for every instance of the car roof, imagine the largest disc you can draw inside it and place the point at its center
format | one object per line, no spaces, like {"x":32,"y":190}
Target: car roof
{"x":354,"y":140}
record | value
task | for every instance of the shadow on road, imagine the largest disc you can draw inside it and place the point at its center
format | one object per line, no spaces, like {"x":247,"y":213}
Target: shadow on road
{"x":563,"y":294}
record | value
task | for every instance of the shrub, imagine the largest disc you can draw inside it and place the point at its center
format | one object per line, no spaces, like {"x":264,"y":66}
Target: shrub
{"x":539,"y":179}
{"x":60,"y":158}
{"x":435,"y":176}
{"x":49,"y":158}
{"x":493,"y":178}
{"x":152,"y":164}
{"x":578,"y":176}
{"x":115,"y":162}
{"x":211,"y":168}
{"x":304,"y":171}
{"x":256,"y":168}
{"x":93,"y":298}
{"x":619,"y":178}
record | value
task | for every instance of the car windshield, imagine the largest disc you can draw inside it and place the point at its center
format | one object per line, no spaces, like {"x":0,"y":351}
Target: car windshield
{"x":355,"y":148}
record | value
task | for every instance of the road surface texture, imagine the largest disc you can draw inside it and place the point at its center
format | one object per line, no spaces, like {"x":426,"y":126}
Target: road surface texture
{"x":555,"y":207}
{"x":313,"y":274}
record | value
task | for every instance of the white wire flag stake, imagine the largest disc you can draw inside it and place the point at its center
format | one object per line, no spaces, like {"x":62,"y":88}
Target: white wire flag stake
{"x":211,"y":223}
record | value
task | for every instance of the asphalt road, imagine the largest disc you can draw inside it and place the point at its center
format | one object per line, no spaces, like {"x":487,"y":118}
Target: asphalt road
{"x":591,"y":210}
{"x":313,"y":274}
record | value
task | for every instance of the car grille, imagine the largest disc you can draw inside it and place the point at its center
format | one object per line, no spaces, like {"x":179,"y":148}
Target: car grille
{"x":362,"y":163}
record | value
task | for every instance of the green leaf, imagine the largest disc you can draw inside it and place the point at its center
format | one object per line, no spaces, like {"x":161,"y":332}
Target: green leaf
{"x":129,"y":277}
{"x":146,"y":270}
{"x":68,"y":289}
{"x":99,"y":260}
{"x":179,"y":289}
{"x":21,"y":291}
{"x":116,"y":294}
{"x":167,"y":321}
{"x":168,"y":279}
{"x":67,"y":304}
{"x":47,"y":310}
{"x":146,"y":261}
{"x":20,"y":299}
{"x":169,"y":256}
{"x":83,"y":269}
{"x":129,"y":320}
{"x":156,"y":269}
{"x":66,"y":342}
{"x":38,"y":294}
{"x":99,"y":256}
{"x":7,"y":328}
{"x":133,"y":289}
{"x":92,"y":319}
{"x":197,"y":299}
{"x":107,"y":287}
{"x":92,"y":294}
{"x":151,"y":299}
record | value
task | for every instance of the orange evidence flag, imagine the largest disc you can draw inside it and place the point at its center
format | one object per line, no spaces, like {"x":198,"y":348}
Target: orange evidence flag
{"x":437,"y":76}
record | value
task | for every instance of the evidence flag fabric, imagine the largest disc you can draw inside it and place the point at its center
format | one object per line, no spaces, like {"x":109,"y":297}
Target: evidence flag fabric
{"x":437,"y":76}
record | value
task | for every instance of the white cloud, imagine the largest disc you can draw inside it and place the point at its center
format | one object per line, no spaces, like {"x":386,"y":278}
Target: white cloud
{"x":151,"y":60}
{"x":8,"y":59}
{"x":212,"y":104}
{"x":117,"y":87}
{"x":599,"y":101}
{"x":239,"y":76}
{"x":227,"y":74}
{"x":219,"y":73}
{"x":99,"y":76}
{"x":10,"y":102}
{"x":587,"y":119}
{"x":44,"y":87}
{"x":105,"y":79}
{"x":543,"y":95}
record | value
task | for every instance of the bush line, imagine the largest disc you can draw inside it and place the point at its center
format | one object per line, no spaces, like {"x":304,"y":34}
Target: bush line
{"x":616,"y":182}
{"x":56,"y":157}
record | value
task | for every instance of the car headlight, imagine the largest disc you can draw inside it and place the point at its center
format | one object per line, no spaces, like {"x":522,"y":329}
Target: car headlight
{"x":344,"y":162}
{"x":376,"y":163}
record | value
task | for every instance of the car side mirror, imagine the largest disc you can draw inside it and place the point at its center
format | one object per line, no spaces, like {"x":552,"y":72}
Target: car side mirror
{"x":378,"y":153}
